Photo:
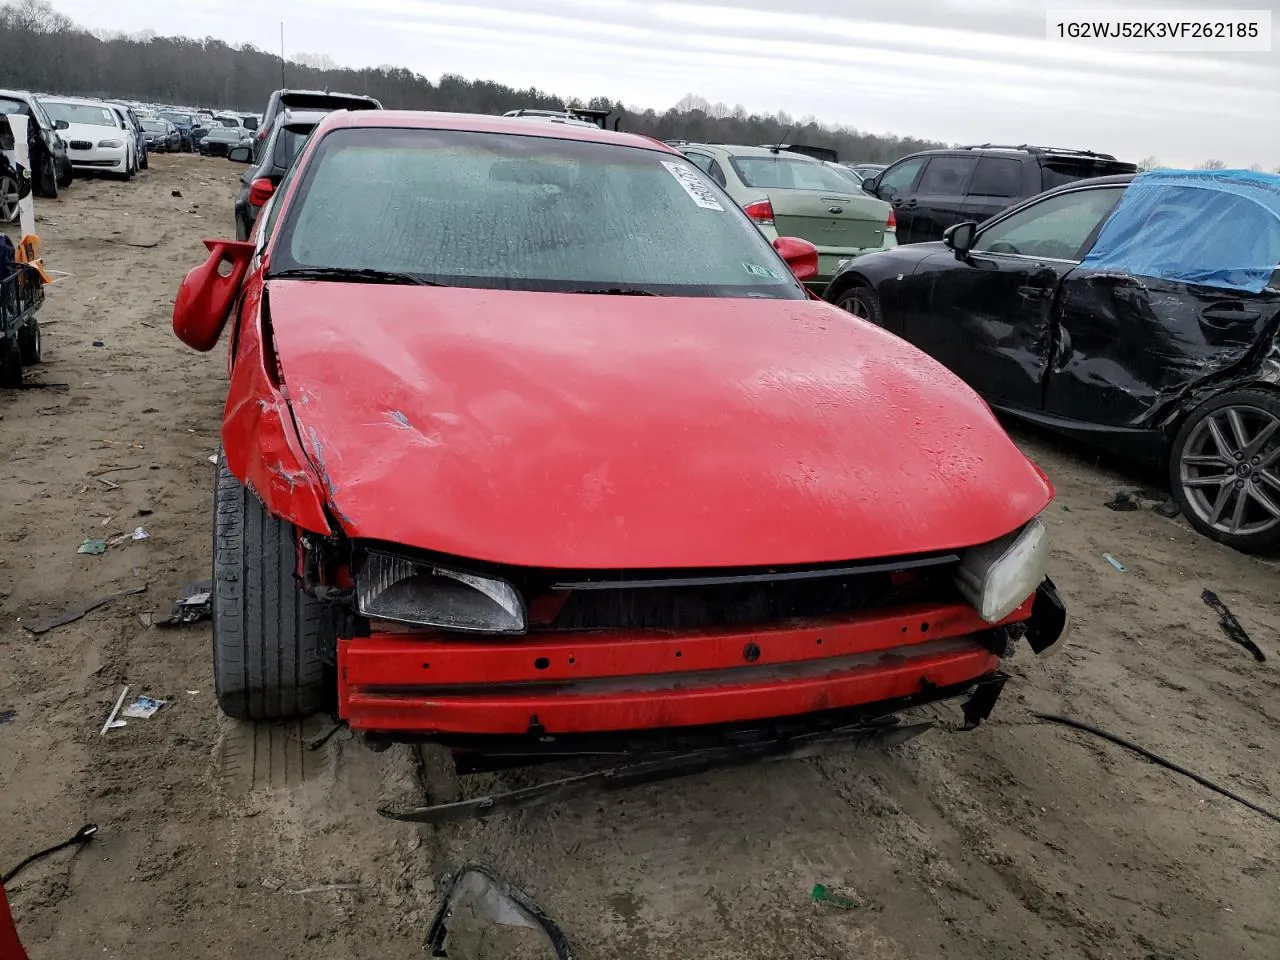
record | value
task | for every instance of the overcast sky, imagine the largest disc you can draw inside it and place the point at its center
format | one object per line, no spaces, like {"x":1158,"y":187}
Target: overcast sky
{"x":954,"y":70}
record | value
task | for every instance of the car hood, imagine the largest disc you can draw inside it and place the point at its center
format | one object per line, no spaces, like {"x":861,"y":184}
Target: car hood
{"x":92,"y":132}
{"x":589,"y":431}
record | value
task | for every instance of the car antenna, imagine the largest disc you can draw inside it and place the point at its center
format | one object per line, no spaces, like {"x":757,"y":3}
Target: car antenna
{"x":777,"y":147}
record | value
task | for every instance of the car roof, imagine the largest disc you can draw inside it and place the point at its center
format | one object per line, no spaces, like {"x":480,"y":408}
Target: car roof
{"x":1115,"y":179}
{"x":480,"y":123}
{"x":17,"y":94}
{"x":734,"y":150}
{"x":301,"y":116}
{"x":287,"y":91}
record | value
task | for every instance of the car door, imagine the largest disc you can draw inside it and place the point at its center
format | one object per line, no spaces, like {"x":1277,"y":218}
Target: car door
{"x":939,"y":197}
{"x":1130,"y":347}
{"x":988,"y":315}
{"x":895,"y":186}
{"x":707,"y":164}
{"x":997,"y":183}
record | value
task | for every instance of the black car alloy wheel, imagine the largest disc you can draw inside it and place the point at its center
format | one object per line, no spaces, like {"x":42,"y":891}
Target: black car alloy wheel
{"x":1226,"y":469}
{"x":862,"y":302}
{"x":9,"y":198}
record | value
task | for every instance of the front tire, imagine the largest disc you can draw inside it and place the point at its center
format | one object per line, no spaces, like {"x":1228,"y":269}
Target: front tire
{"x":47,"y":183}
{"x":861,"y":300}
{"x":1224,"y":469}
{"x":266,"y":658}
{"x":29,"y":343}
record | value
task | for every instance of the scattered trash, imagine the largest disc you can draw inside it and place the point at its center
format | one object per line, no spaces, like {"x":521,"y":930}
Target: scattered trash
{"x":192,"y":693}
{"x":1114,"y":562}
{"x":324,"y":887}
{"x":98,"y":343}
{"x":214,"y":458}
{"x":7,"y":716}
{"x":111,"y":717}
{"x":143,"y":708}
{"x":1232,"y":627}
{"x":175,"y":193}
{"x":195,"y":604}
{"x":146,"y":619}
{"x":271,"y":883}
{"x":72,"y":614}
{"x":1166,"y":508}
{"x":94,"y":546}
{"x":145,"y":511}
{"x":1066,"y":508}
{"x":140,"y":533}
{"x":822,"y":895}
{"x":1122,"y":502}
{"x":1157,"y":759}
{"x":109,"y":484}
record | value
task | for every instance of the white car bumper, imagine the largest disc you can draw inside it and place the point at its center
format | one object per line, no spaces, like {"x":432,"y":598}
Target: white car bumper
{"x":87,"y":155}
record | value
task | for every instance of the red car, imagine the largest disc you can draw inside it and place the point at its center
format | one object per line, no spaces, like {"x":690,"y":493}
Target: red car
{"x":533,"y":443}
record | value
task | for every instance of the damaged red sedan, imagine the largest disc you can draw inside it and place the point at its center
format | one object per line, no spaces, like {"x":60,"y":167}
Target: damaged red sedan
{"x":535,"y":446}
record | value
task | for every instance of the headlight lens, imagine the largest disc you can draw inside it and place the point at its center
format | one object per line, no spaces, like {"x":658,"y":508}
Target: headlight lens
{"x":393,"y":588}
{"x":111,"y":144}
{"x":998,"y":576}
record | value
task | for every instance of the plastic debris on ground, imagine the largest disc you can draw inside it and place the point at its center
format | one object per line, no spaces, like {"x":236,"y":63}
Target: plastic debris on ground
{"x":821,"y":894}
{"x":93,"y":546}
{"x":1122,"y":502}
{"x":7,"y":716}
{"x":1114,"y":562}
{"x":1231,"y":627}
{"x":142,"y":708}
{"x":112,"y":722}
{"x":195,"y":604}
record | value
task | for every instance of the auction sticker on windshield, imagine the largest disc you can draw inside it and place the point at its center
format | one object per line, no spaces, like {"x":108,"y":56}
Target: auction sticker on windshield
{"x":693,"y":185}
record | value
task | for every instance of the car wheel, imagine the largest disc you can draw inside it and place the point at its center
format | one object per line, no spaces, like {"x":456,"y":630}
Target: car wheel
{"x":65,"y":176}
{"x":1224,"y":469}
{"x":146,"y":163}
{"x":862,"y":302}
{"x":266,"y":659}
{"x":29,"y":343}
{"x":10,"y":198}
{"x":10,"y":366}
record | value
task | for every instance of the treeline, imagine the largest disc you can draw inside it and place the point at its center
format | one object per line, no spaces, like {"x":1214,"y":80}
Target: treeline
{"x":43,"y":50}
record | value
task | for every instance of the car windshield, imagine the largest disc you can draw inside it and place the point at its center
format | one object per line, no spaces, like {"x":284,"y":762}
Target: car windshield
{"x":87,"y":113}
{"x":181,"y":119}
{"x":229,"y":121}
{"x":154,"y":126}
{"x":526,"y":212}
{"x":224,"y":133}
{"x":788,"y":173}
{"x":289,"y":144}
{"x":8,"y":106}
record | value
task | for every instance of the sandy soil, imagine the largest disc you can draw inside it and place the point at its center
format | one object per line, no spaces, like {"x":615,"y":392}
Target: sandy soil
{"x":1019,"y":840}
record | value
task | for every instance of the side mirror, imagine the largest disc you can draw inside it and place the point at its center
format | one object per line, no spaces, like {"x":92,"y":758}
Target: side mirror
{"x":959,"y":237}
{"x":206,"y":294}
{"x":61,"y":125}
{"x":240,"y":155}
{"x":870,"y":184}
{"x":260,"y":191}
{"x":801,"y":256}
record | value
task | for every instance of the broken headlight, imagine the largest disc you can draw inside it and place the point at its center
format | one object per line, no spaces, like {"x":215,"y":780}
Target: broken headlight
{"x":407,"y":591}
{"x":997,"y":577}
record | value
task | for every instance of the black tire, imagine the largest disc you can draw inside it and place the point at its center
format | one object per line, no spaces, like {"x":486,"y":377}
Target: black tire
{"x":145,"y":164}
{"x":47,"y":182}
{"x":860,"y":300}
{"x":266,"y":660}
{"x":1209,"y":482}
{"x":10,"y":366}
{"x":10,"y":195}
{"x":65,"y":176}
{"x":29,"y":342}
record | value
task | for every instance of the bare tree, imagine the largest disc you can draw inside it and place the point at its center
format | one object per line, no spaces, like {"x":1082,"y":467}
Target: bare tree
{"x":1148,"y":163}
{"x":1213,"y":165}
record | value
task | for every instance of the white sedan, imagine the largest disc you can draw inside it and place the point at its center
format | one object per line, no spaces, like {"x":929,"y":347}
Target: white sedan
{"x":95,"y":138}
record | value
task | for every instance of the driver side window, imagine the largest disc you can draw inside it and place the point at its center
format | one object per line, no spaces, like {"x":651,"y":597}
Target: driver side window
{"x":1056,"y":227}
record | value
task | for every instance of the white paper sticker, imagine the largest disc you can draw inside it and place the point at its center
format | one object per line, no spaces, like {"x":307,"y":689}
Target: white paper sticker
{"x":694,"y":185}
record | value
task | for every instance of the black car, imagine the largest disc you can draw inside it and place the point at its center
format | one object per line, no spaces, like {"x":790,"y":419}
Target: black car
{"x":932,"y":190}
{"x":1183,"y":373}
{"x":320,"y":101}
{"x":186,"y":125}
{"x":50,"y":165}
{"x":284,"y":142}
{"x":221,"y":139}
{"x":162,"y":136}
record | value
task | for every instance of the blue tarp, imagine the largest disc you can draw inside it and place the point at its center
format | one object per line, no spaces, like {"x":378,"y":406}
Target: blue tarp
{"x":1219,"y":228}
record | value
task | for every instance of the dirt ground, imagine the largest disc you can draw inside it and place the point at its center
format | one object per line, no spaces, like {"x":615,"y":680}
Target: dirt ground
{"x":1020,"y":840}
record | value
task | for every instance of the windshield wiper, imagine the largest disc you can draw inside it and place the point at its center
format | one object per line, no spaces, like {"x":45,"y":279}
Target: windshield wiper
{"x":352,"y":275}
{"x":621,"y":292}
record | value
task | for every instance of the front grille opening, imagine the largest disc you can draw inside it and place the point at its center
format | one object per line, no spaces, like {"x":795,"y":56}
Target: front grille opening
{"x":749,"y":603}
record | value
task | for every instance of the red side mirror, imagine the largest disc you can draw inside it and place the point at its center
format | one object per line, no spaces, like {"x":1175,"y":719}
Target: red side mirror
{"x":801,"y":256}
{"x":206,"y":294}
{"x":260,"y":191}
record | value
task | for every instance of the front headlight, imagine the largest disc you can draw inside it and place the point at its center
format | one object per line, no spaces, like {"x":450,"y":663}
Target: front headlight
{"x":111,"y":144}
{"x":393,"y":588}
{"x":997,"y":577}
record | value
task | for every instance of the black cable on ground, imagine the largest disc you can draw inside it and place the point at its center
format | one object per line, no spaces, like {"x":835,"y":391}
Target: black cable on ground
{"x":321,"y":741}
{"x":1157,"y":759}
{"x":82,"y":836}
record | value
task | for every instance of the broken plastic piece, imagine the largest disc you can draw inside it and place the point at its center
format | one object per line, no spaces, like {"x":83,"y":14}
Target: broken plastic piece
{"x":93,"y":546}
{"x":71,"y":614}
{"x":483,"y":917}
{"x":195,"y":604}
{"x":1114,"y":562}
{"x":143,"y":708}
{"x":822,"y":895}
{"x":111,"y":717}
